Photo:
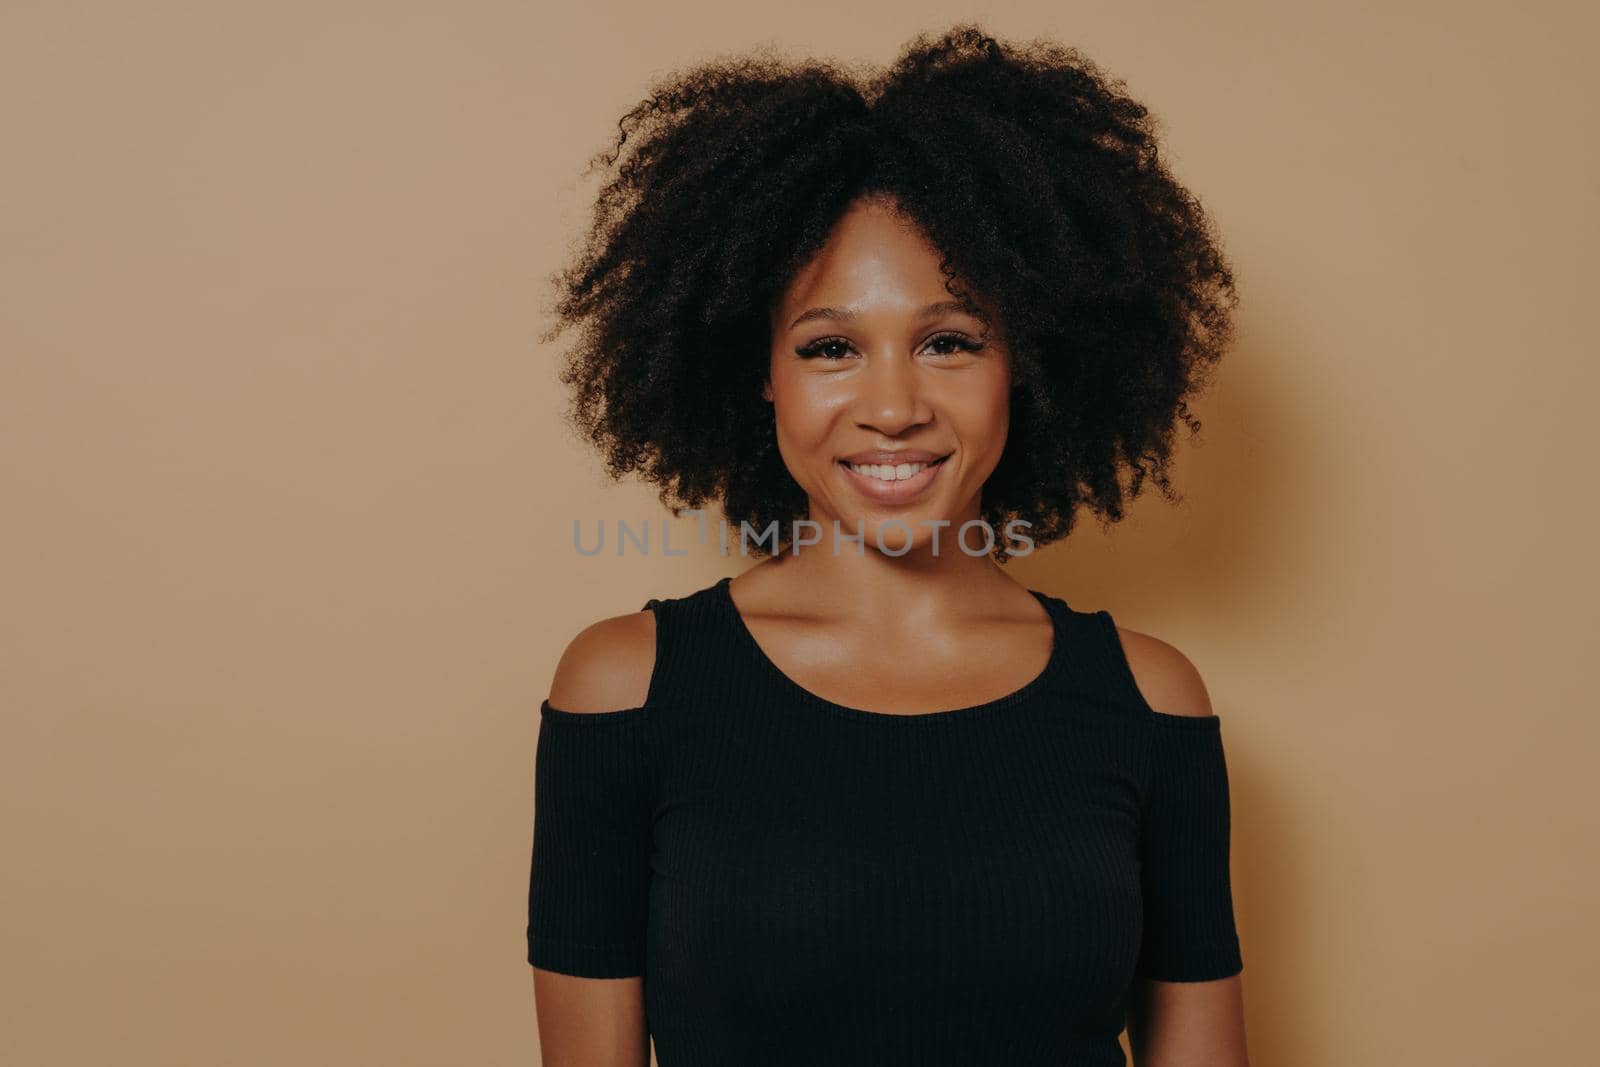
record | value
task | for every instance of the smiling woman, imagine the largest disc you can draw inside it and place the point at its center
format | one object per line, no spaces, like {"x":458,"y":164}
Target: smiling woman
{"x":887,"y":805}
{"x":1059,"y":244}
{"x":871,"y":359}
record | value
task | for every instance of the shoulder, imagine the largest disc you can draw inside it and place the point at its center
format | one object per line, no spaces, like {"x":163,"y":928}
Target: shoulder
{"x":1166,"y":678}
{"x":607,"y":666}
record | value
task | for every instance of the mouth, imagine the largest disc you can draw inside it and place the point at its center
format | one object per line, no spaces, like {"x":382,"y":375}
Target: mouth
{"x":892,"y":484}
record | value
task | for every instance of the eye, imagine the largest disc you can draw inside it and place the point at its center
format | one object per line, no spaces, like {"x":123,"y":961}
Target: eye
{"x":824,"y":347}
{"x":961,"y":343}
{"x":834,"y":348}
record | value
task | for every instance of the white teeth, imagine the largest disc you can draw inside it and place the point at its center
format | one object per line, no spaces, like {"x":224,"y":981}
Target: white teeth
{"x":886,"y":473}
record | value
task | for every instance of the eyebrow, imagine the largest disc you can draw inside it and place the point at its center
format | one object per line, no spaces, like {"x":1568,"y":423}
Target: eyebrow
{"x":846,"y":315}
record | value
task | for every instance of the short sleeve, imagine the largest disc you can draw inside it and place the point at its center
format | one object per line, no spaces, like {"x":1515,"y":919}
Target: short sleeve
{"x":589,"y":883}
{"x":1189,"y":933}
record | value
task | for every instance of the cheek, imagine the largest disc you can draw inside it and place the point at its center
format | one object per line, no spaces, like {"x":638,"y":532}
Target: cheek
{"x":799,"y":431}
{"x":981,"y":411}
{"x":805,"y":408}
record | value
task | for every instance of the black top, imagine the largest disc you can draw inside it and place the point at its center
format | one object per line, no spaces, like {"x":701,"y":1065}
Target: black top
{"x":803,"y":882}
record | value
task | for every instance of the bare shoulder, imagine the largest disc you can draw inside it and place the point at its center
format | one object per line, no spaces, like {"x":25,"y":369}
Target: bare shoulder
{"x":1169,"y":682}
{"x":607,"y":666}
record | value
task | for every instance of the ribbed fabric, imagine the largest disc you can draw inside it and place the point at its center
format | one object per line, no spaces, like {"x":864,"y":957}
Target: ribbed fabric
{"x":801,"y":882}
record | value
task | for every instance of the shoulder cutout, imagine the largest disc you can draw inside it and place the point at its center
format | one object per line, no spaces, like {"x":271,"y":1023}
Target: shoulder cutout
{"x":607,"y":667}
{"x":1169,"y":683}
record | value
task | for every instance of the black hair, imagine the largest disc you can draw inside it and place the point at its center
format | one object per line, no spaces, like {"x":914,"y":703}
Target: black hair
{"x":1032,"y":172}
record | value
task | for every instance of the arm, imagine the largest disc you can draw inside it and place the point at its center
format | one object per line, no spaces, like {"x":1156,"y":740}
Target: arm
{"x":593,"y":1021}
{"x":590,"y":1022}
{"x":1180,"y":1023}
{"x":1187,"y":1024}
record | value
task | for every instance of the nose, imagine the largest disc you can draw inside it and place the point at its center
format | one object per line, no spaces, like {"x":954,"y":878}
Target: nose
{"x":891,"y":398}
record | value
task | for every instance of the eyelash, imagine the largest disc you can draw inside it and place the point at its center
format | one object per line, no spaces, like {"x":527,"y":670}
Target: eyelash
{"x":814,"y":349}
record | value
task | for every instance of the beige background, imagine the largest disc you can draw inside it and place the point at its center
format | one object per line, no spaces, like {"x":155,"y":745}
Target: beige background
{"x":287,"y":532}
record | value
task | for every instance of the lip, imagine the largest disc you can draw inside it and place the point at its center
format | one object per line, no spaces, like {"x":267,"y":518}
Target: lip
{"x":895,"y":492}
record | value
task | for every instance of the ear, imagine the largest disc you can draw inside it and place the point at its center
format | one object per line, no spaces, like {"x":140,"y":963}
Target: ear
{"x":766,"y":390}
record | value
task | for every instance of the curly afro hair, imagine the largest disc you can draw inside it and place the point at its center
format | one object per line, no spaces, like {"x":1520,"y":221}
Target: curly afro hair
{"x":1028,"y":168}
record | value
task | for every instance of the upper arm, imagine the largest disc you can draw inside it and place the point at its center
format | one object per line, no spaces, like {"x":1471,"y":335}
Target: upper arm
{"x":1178,"y":1024}
{"x":592,"y":1022}
{"x":1173,"y":1023}
{"x":1167,"y":680}
{"x":607,"y":666}
{"x":592,"y":840}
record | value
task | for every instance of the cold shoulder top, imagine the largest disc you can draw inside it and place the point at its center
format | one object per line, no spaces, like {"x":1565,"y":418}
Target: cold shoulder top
{"x":803,"y":882}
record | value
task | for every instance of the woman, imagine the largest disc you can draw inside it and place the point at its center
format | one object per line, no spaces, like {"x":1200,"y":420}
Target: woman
{"x":873,"y":801}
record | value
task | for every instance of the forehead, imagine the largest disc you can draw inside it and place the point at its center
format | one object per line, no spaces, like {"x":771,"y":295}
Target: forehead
{"x":874,"y":258}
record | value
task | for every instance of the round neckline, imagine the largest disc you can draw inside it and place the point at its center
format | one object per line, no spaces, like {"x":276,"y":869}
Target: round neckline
{"x":1052,"y":666}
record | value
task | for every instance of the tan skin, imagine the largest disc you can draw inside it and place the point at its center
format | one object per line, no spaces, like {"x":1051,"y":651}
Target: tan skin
{"x":926,"y":630}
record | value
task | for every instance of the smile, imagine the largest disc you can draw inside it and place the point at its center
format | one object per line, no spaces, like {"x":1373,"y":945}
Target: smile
{"x":896,"y":484}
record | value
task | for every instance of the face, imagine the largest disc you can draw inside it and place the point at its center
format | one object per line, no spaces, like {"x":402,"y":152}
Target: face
{"x":870,"y":352}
